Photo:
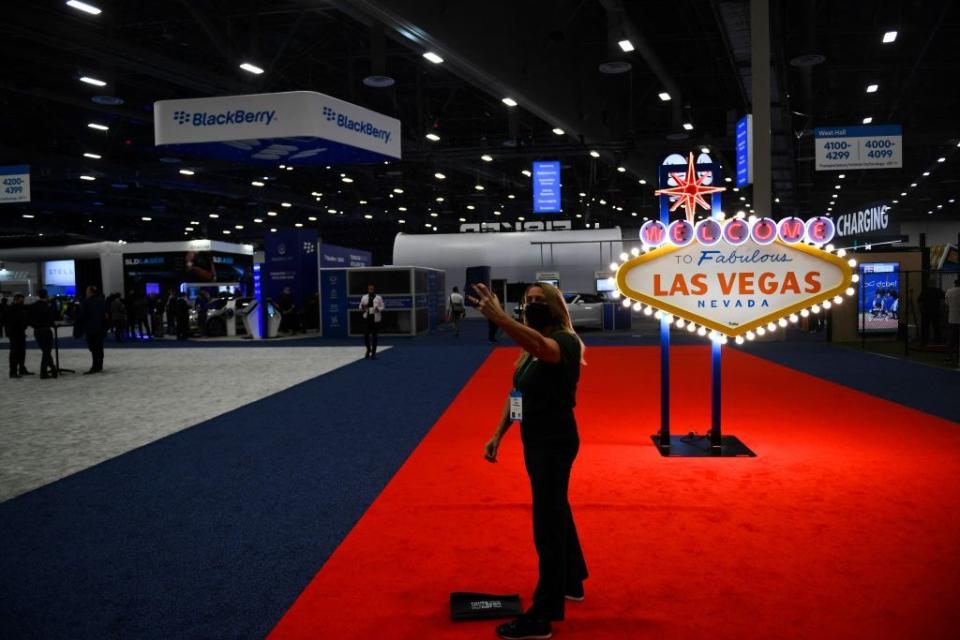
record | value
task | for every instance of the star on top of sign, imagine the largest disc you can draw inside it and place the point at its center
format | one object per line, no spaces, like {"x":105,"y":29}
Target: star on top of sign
{"x":689,"y":191}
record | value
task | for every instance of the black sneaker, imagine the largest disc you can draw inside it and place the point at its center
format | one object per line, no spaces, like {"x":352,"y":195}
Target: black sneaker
{"x":575,"y":592}
{"x":525,"y":628}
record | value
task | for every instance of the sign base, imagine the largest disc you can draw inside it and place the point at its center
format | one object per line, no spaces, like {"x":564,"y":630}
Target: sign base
{"x":698,"y":446}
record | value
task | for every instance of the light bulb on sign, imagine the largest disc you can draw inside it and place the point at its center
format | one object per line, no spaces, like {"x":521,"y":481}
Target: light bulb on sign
{"x":761,"y":331}
{"x":648,"y":311}
{"x":841,"y":253}
{"x":658,"y":315}
{"x":782,"y":322}
{"x":680,"y":323}
{"x":804,"y":313}
{"x":691,"y":327}
{"x":635,"y":252}
{"x":616,"y":294}
{"x":739,"y":340}
{"x":701,"y":331}
{"x":626,"y":302}
{"x":750,"y":335}
{"x":794,"y":318}
{"x":815,"y":308}
{"x":852,"y":262}
{"x":771,"y":327}
{"x":614,"y":266}
{"x":827,"y":304}
{"x":855,"y":278}
{"x":624,"y":257}
{"x":637,"y":306}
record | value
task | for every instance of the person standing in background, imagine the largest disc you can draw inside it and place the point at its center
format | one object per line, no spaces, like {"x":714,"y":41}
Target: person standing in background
{"x":92,"y":324}
{"x":203,"y":302}
{"x":371,"y":306}
{"x":456,"y":310}
{"x":952,"y":297}
{"x":182,"y":316}
{"x":155,"y":305}
{"x":16,"y":323}
{"x":170,"y":306}
{"x":42,"y":316}
{"x":118,"y":317}
{"x":138,"y":323}
{"x":3,"y":315}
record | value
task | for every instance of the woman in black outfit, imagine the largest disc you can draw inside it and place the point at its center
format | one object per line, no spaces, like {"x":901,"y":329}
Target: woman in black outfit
{"x":546,"y":379}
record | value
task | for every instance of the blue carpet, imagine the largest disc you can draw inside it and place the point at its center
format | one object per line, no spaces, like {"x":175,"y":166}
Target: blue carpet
{"x":214,"y":531}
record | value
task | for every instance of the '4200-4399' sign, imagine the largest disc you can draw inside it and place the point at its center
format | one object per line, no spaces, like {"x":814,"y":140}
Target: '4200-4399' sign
{"x":735,"y":278}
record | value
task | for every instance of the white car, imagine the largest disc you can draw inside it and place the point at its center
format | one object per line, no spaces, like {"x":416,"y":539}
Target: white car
{"x":586,"y":309}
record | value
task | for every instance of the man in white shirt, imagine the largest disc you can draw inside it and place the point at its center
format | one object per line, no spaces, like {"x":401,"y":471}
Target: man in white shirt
{"x":952,"y":298}
{"x":371,"y":306}
{"x":456,"y":310}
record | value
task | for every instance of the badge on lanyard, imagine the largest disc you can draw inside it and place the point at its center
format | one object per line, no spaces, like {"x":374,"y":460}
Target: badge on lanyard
{"x":516,"y":405}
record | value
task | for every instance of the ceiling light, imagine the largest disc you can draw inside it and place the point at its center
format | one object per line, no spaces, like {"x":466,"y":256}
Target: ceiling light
{"x":621,"y":169}
{"x":256,"y":183}
{"x":511,"y":196}
{"x":368,"y":216}
{"x":28,"y":216}
{"x":925,"y":174}
{"x":331,"y":210}
{"x":272,"y":214}
{"x":439,"y":176}
{"x":214,"y":215}
{"x":471,"y":207}
{"x":595,"y":154}
{"x":510,"y":102}
{"x":401,"y":208}
{"x":521,"y":218}
{"x":439,"y":198}
{"x":842,"y":176}
{"x":238,"y":226}
{"x":913,"y":184}
{"x":98,"y":127}
{"x":704,"y":149}
{"x":895,"y":201}
{"x":558,"y":131}
{"x":836,"y":186}
{"x":526,"y":172}
{"x":285,"y":204}
{"x":252,"y":68}
{"x":298,"y":225}
{"x":146,"y":218}
{"x":496,"y":213}
{"x":194,"y":222}
{"x":889,"y":37}
{"x":688,"y":126}
{"x":486,"y":158}
{"x":663,"y":95}
{"x":188,"y":228}
{"x":397,"y":190}
{"x":92,"y":156}
{"x":258,"y":220}
{"x":88,"y":178}
{"x":642,"y":181}
{"x":432,"y":137}
{"x":289,"y":168}
{"x":868,"y":120}
{"x":312,"y":218}
{"x":434,"y":215}
{"x":872,"y":88}
{"x":903,"y":193}
{"x":478,"y":187}
{"x":93,"y":81}
{"x":83,"y":6}
{"x":401,"y":221}
{"x":463,"y":219}
{"x":346,"y":179}
{"x":432,"y":57}
{"x":728,"y":179}
{"x":626,"y":45}
{"x":187,"y":172}
{"x":941,"y":159}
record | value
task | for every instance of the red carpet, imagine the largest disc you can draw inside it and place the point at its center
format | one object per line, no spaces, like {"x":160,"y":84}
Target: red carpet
{"x":847,"y":525}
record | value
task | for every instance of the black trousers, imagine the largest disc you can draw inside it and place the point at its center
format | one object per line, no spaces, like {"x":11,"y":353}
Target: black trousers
{"x":560,"y":558}
{"x":371,"y":329}
{"x":18,"y":354}
{"x":492,"y":331}
{"x":95,"y":344}
{"x":44,"y":338}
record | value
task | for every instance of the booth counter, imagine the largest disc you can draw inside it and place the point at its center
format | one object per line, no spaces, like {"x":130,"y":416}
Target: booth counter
{"x":414,"y":298}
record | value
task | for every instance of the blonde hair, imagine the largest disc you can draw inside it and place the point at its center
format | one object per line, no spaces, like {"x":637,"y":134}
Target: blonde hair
{"x":558,"y":309}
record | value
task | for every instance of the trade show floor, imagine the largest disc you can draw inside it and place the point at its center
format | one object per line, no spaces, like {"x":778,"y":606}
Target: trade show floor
{"x":53,"y":428}
{"x":836,"y":530}
{"x":347,"y":500}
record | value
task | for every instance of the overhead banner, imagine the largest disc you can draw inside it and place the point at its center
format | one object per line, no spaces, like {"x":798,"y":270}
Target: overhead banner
{"x":546,"y":187}
{"x":290,"y":260}
{"x":870,"y":221}
{"x":744,"y":158}
{"x":860,"y":147}
{"x":15,"y":183}
{"x":296,"y":127}
{"x":737,"y":276}
{"x":332,"y":257}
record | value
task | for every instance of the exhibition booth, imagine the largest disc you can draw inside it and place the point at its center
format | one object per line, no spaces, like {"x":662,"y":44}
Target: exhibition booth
{"x":414,"y":300}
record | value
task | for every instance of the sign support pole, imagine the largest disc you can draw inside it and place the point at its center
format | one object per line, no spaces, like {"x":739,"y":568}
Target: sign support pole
{"x":716,"y":354}
{"x":664,"y":439}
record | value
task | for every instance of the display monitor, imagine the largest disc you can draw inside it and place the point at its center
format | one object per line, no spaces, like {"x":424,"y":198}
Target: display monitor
{"x":879,"y":297}
{"x":605,"y":285}
{"x":60,"y":273}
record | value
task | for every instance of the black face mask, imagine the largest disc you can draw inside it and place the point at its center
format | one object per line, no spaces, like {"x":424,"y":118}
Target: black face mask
{"x":538,"y":315}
